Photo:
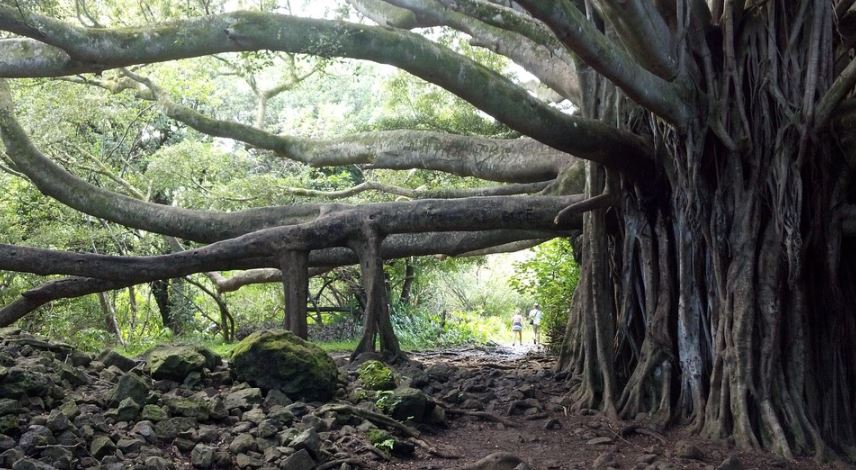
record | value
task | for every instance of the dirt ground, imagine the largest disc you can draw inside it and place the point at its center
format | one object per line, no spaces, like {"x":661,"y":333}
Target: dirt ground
{"x":582,"y":440}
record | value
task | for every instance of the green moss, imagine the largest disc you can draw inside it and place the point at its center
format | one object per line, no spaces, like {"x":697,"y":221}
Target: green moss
{"x":277,"y":359}
{"x":376,"y":375}
{"x":376,"y":436}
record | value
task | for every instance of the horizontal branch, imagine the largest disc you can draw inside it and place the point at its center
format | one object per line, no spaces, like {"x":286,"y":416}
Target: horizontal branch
{"x":247,"y":31}
{"x":439,"y":193}
{"x":394,"y":246}
{"x":509,"y":160}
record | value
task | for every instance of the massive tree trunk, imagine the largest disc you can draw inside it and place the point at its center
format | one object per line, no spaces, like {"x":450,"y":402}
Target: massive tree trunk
{"x":719,"y":299}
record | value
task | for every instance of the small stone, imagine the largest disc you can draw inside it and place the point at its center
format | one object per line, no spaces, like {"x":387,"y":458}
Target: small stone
{"x":245,"y":461}
{"x":158,"y":463}
{"x":128,"y":409}
{"x":202,"y":456}
{"x":309,"y":440}
{"x":255,"y":416}
{"x":276,"y":398}
{"x":30,"y":464}
{"x":101,"y":446}
{"x":154,"y":413}
{"x":646,"y":459}
{"x":57,"y":456}
{"x":9,"y":406}
{"x":604,"y":461}
{"x":687,"y":450}
{"x":241,"y":443}
{"x":128,"y":446}
{"x":168,"y":429}
{"x":731,"y":463}
{"x":243,"y":399}
{"x":552,"y":423}
{"x":6,"y":442}
{"x":597,"y":441}
{"x":57,"y":421}
{"x":300,"y":460}
{"x":183,"y":444}
{"x":144,"y":429}
{"x":36,"y":436}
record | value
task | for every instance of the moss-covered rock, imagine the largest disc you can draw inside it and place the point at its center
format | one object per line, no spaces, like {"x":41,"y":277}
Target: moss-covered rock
{"x":176,"y":362}
{"x":404,"y":403}
{"x":277,"y":359}
{"x":376,"y":375}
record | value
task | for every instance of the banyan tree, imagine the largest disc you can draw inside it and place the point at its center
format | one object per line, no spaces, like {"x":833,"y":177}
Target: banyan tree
{"x":708,"y":168}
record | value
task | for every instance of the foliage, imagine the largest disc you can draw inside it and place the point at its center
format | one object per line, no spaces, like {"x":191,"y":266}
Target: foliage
{"x":376,"y":375}
{"x":550,"y":277}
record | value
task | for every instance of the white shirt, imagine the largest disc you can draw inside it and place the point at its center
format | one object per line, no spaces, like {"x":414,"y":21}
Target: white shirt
{"x":535,"y":315}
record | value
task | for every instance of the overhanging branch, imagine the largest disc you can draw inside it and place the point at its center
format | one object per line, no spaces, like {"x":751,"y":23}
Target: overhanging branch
{"x":103,"y":49}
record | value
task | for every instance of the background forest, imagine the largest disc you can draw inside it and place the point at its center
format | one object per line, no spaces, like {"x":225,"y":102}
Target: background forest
{"x":121,"y":141}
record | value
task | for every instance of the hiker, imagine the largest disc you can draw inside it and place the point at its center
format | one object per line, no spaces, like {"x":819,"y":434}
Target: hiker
{"x":535,"y":321}
{"x":517,"y":329}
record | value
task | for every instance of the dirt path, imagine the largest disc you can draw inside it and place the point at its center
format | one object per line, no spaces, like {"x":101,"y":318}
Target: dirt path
{"x":519,"y":385}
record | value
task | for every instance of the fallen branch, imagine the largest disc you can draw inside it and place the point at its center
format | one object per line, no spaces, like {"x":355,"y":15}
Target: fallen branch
{"x":479,"y":414}
{"x":385,"y":422}
{"x":337,"y":463}
{"x":635,"y":428}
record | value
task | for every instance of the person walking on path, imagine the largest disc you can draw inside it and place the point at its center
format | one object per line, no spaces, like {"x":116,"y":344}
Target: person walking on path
{"x":535,"y":321}
{"x":517,"y":329}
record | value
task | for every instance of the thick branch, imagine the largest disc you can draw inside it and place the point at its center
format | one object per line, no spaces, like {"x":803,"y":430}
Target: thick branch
{"x":579,"y":35}
{"x":839,"y":90}
{"x":553,"y":66}
{"x":394,"y":246}
{"x":244,"y":31}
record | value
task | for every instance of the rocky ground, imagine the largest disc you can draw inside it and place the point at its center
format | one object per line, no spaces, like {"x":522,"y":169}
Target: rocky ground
{"x":184,"y":407}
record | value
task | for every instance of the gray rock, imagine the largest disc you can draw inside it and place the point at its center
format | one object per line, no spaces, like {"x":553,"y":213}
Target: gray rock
{"x":128,"y":446}
{"x":154,"y":413}
{"x":242,"y":443}
{"x":9,"y":406}
{"x":309,"y":440}
{"x":127,"y":410}
{"x":129,"y":386}
{"x":276,"y":398}
{"x":101,"y":446}
{"x":407,"y":403}
{"x":300,"y":460}
{"x":30,"y":464}
{"x":243,"y":399}
{"x":158,"y":463}
{"x":687,"y":450}
{"x":188,"y":407}
{"x":57,"y":421}
{"x":730,"y":463}
{"x":36,"y":436}
{"x":9,"y":457}
{"x":176,"y":362}
{"x":58,"y":456}
{"x":246,"y":461}
{"x":498,"y":461}
{"x":202,"y":456}
{"x":112,"y":358}
{"x":144,"y":429}
{"x":168,"y":429}
{"x":6,"y":442}
{"x":255,"y":416}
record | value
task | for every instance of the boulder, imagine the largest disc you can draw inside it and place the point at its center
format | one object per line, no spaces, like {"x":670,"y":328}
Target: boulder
{"x":376,"y":375}
{"x":277,"y":359}
{"x":18,"y":382}
{"x":202,"y":456}
{"x":101,"y":446}
{"x":176,"y":362}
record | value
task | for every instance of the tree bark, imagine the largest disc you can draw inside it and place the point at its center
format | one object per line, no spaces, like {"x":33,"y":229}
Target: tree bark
{"x":377,"y":323}
{"x":295,"y":277}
